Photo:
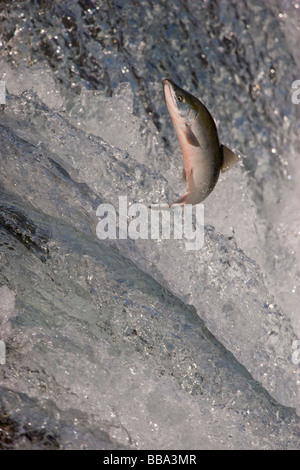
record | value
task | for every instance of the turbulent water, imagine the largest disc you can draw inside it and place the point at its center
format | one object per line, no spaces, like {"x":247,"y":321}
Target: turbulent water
{"x":141,"y":343}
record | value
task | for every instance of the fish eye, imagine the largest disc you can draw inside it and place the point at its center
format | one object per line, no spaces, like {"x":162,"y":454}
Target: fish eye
{"x":180,"y":98}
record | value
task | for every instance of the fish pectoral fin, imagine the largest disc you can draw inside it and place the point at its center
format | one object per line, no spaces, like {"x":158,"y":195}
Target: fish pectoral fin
{"x":191,"y":138}
{"x":182,"y":200}
{"x":186,"y":173}
{"x":229,"y":158}
{"x":189,"y":180}
{"x":188,"y":176}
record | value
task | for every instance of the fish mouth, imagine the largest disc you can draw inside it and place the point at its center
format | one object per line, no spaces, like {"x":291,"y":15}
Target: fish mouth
{"x":169,"y":82}
{"x":169,"y":91}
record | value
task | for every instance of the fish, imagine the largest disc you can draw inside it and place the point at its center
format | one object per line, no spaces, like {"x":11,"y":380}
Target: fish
{"x":204,"y":157}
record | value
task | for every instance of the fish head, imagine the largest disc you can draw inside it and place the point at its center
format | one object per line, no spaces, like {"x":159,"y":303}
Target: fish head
{"x":182,"y":105}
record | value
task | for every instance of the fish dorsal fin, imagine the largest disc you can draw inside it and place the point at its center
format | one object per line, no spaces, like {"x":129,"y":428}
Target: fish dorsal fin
{"x":192,"y":139}
{"x":229,"y":158}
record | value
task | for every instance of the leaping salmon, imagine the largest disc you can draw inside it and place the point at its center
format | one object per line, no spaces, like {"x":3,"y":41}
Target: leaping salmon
{"x":203,"y":154}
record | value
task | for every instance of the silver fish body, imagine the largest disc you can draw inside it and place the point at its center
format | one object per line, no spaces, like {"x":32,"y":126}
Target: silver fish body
{"x":203,"y":155}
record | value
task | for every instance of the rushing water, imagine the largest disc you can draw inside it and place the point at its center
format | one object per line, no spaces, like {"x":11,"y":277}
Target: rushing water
{"x":142,"y":343}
